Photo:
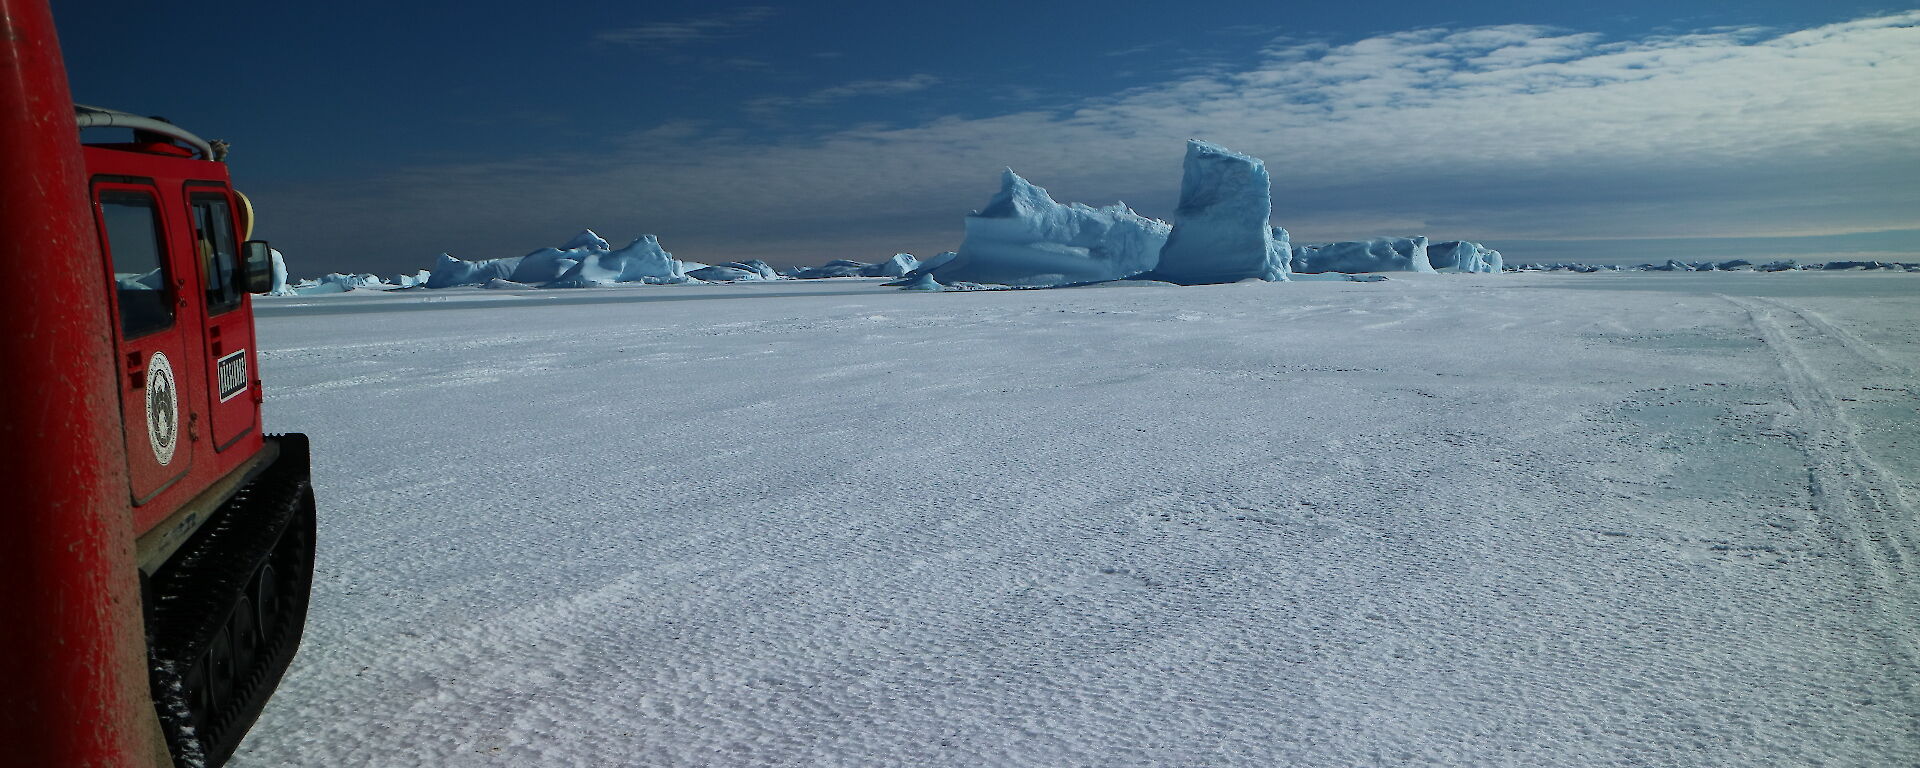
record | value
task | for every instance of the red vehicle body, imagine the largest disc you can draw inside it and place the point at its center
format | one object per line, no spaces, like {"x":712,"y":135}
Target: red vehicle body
{"x":158,"y":553}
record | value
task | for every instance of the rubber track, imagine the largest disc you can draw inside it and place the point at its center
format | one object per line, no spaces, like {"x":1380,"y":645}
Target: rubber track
{"x":192,"y":600}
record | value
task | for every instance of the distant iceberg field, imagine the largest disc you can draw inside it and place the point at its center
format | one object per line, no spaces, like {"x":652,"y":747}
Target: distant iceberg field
{"x":1022,"y":238}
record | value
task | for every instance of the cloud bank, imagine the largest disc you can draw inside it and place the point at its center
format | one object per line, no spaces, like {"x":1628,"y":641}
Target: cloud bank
{"x":1514,"y":131}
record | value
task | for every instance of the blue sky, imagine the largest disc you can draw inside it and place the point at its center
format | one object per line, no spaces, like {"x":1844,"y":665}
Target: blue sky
{"x":374,"y":136}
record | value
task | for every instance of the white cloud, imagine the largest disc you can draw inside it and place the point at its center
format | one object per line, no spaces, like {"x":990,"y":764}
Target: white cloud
{"x":1515,"y":131}
{"x":845,"y":91}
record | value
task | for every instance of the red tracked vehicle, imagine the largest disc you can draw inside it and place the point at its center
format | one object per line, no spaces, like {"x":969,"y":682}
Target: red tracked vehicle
{"x":158,"y":550}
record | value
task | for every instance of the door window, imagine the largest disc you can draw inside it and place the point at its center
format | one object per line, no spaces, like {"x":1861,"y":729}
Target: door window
{"x":132,"y":223}
{"x":219,"y":258}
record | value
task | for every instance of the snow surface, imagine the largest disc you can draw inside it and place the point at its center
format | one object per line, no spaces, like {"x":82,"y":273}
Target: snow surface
{"x":1023,"y":238}
{"x":1220,"y":230}
{"x":1632,"y":519}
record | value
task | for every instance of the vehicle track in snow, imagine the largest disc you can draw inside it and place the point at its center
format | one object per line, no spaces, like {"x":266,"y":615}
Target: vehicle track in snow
{"x":1860,"y":504}
{"x":1851,"y":341}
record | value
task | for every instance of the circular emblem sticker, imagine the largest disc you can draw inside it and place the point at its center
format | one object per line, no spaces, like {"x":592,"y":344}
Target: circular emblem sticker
{"x":163,"y":408}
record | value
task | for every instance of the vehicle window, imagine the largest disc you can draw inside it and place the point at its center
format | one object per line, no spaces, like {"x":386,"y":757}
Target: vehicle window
{"x":219,"y":257}
{"x":132,"y":223}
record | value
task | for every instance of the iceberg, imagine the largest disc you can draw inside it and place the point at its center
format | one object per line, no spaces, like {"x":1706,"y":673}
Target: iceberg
{"x":404,"y":280}
{"x":150,"y":280}
{"x":1463,"y":256}
{"x":1381,"y":254}
{"x":920,"y":282}
{"x":1023,"y":238}
{"x":833,"y":268}
{"x":566,"y":266}
{"x":1864,"y":265}
{"x":734,"y":271}
{"x":280,"y":287}
{"x":898,"y":266}
{"x":1220,"y":230}
{"x":339,"y":282}
{"x":930,"y":265}
{"x":548,"y":264}
{"x":449,"y":271}
{"x":642,"y":261}
{"x":587,"y":240}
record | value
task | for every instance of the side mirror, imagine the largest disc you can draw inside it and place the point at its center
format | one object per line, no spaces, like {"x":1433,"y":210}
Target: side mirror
{"x":259,"y":270}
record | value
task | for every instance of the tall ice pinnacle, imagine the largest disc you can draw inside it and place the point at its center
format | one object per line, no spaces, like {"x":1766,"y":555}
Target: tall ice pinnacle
{"x":1220,"y":231}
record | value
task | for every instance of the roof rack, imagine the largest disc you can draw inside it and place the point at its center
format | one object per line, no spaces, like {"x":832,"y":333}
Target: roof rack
{"x":95,"y":117}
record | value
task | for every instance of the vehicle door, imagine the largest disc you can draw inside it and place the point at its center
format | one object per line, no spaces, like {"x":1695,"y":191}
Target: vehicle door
{"x":148,"y":298}
{"x":229,"y":336}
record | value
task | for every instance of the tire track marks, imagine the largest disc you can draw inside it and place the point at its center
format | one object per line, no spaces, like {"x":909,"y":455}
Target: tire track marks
{"x":1859,"y":502}
{"x":1847,"y":338}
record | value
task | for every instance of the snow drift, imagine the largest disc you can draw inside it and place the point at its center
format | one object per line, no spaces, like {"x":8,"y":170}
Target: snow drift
{"x":1220,"y":230}
{"x":1024,"y":238}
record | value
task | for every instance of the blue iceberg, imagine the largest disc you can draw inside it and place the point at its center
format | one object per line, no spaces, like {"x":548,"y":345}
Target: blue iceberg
{"x":900,"y":265}
{"x":1464,"y":256}
{"x":1381,"y":254}
{"x":1220,"y":230}
{"x":734,"y":271}
{"x":1024,"y":238}
{"x":642,"y":261}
